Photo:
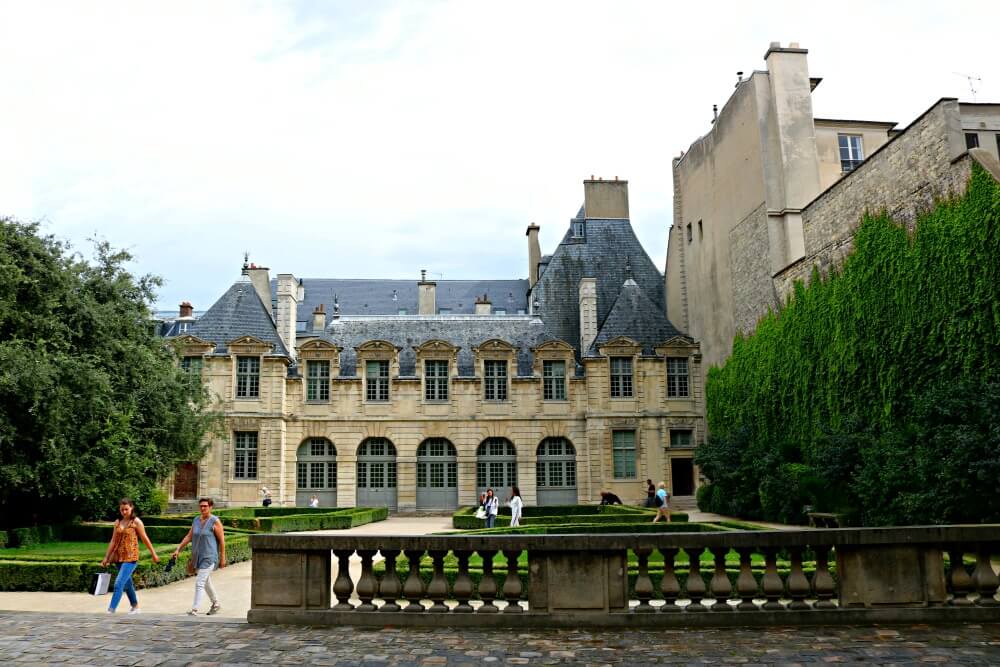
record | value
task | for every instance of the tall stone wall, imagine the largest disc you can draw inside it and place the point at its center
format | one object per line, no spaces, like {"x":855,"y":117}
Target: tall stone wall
{"x":925,"y":163}
{"x":753,"y":291}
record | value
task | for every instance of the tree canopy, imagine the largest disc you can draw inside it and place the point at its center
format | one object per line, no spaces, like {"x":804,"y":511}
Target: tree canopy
{"x":93,"y":405}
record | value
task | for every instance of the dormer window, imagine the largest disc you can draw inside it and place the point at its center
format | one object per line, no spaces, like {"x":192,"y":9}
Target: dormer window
{"x":377,"y":381}
{"x":578,"y":229}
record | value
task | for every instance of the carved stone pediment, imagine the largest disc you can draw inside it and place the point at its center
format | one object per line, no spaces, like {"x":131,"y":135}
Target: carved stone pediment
{"x":494,"y":346}
{"x":679,"y":346}
{"x":248,"y":345}
{"x":553,"y":346}
{"x":188,"y":345}
{"x":621,"y":346}
{"x":435,"y":347}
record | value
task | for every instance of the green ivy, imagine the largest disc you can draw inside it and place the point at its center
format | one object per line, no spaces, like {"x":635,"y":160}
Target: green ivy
{"x":841,"y":399}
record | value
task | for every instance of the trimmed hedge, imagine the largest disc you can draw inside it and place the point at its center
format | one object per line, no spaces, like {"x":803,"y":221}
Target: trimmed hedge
{"x":465,"y":519}
{"x":31,"y":535}
{"x":328,"y":520}
{"x":3,"y":539}
{"x":599,"y":528}
{"x":75,"y":576}
{"x":90,"y":532}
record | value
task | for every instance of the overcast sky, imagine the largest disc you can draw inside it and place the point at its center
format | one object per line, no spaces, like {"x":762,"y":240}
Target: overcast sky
{"x":373,"y":139}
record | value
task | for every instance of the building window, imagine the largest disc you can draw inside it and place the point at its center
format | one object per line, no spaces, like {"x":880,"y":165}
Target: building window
{"x":677,"y":378}
{"x":377,"y":381}
{"x":247,"y":377}
{"x":499,"y":311}
{"x":191,"y":365}
{"x":998,"y":143}
{"x":690,"y":233}
{"x":495,"y":380}
{"x":435,"y":380}
{"x":623,"y":454}
{"x":317,"y":380}
{"x":401,"y":311}
{"x":971,"y":140}
{"x":245,"y":455}
{"x":681,"y":439}
{"x":579,"y":229}
{"x":851,"y":153}
{"x":444,"y":311}
{"x":554,"y":380}
{"x":621,"y":377}
{"x":184,"y":326}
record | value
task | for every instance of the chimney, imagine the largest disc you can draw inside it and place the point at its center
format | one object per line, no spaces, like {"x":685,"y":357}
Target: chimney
{"x":534,"y":254}
{"x":261,"y":282}
{"x":187,"y":310}
{"x":426,"y":304}
{"x":319,"y":318}
{"x":588,"y":313}
{"x":483,"y":305}
{"x":287,"y":310}
{"x":605,"y":199}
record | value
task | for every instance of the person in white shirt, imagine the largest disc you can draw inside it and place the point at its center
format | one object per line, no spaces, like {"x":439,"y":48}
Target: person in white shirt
{"x":516,"y":504}
{"x":314,"y":502}
{"x":492,"y":508}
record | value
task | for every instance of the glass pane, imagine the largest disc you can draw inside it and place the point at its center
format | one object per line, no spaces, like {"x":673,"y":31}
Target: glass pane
{"x":317,"y":475}
{"x":555,"y":473}
{"x":570,"y":473}
{"x":540,"y":473}
{"x":481,"y":475}
{"x":331,"y":474}
{"x":437,"y":475}
{"x":300,"y":476}
{"x":317,"y":447}
{"x":421,"y":475}
{"x":362,"y":475}
{"x":376,"y":474}
{"x":391,"y":475}
{"x":511,"y":474}
{"x":452,"y":475}
{"x":496,"y":475}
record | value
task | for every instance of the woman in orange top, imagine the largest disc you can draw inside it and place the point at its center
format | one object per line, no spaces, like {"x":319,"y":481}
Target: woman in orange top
{"x":124,"y":550}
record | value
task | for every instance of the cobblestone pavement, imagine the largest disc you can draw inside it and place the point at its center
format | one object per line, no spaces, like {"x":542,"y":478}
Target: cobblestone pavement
{"x":29,"y":638}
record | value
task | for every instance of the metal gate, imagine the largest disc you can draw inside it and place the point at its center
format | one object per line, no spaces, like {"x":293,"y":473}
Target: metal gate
{"x":555,"y":472}
{"x":377,"y":474}
{"x":437,"y":475}
{"x":496,"y":466}
{"x":316,"y":473}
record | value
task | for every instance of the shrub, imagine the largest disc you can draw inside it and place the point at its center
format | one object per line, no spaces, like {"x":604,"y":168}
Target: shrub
{"x":465,"y":519}
{"x":26,"y":537}
{"x":325,"y":520}
{"x":3,"y":539}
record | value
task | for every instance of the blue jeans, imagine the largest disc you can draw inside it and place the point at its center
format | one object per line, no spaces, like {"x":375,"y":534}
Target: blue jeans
{"x":123,"y":584}
{"x":490,"y":520}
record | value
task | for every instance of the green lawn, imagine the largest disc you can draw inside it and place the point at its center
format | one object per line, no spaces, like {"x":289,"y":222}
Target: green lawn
{"x":73,"y":552}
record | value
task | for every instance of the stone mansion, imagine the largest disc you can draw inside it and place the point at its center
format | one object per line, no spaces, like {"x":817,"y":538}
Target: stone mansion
{"x":419,"y":395}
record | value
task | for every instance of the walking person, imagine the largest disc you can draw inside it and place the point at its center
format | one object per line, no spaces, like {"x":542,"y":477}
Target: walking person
{"x":124,"y":550}
{"x":516,"y":504}
{"x":492,"y":508}
{"x":662,"y":503}
{"x":650,"y":494}
{"x":208,"y":551}
{"x":266,"y":494}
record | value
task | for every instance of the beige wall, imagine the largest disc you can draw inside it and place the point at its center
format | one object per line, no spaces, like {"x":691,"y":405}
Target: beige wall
{"x":984,"y":120}
{"x":283,"y":419}
{"x":873,"y":137}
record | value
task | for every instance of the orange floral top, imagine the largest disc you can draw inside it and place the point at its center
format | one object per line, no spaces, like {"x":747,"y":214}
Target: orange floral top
{"x":127,"y":550}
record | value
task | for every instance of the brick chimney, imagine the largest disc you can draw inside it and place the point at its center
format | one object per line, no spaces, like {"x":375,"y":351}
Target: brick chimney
{"x":319,"y":318}
{"x":187,"y":310}
{"x":483,"y":305}
{"x":534,"y":254}
{"x":287,"y":310}
{"x":605,"y":199}
{"x":588,"y":313}
{"x":426,"y":302}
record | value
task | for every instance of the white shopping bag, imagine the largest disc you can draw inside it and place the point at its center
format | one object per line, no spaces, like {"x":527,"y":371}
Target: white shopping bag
{"x":99,"y":583}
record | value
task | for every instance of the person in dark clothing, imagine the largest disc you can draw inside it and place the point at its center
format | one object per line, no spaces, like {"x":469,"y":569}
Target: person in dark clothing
{"x":650,"y":493}
{"x":608,"y":498}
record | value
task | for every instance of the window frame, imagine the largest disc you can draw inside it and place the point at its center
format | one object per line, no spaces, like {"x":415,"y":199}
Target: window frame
{"x":552,"y":384}
{"x":245,"y":456}
{"x":247,"y":384}
{"x":679,"y":431}
{"x":319,"y":382}
{"x":495,"y":383}
{"x":377,"y":386}
{"x":436,"y":389}
{"x":855,"y":151}
{"x":971,"y":140}
{"x":624,"y":388}
{"x":676,"y":382}
{"x":624,"y":448}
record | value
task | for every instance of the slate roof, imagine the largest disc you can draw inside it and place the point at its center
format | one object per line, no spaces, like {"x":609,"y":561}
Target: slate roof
{"x":238,"y":312}
{"x":465,"y":332}
{"x":636,"y":316}
{"x":609,"y":252}
{"x":376,"y":297}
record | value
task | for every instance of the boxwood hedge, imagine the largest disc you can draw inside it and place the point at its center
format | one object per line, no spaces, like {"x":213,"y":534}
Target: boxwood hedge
{"x":465,"y":519}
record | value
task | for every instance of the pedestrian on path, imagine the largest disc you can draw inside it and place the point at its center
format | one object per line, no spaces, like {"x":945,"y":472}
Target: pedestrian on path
{"x":208,"y":551}
{"x":124,"y":550}
{"x":492,"y":508}
{"x":516,"y":504}
{"x":650,"y":494}
{"x":266,"y":494}
{"x":662,"y":503}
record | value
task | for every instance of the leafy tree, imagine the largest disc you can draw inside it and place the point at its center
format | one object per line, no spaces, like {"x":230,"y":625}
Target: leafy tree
{"x":92,"y":404}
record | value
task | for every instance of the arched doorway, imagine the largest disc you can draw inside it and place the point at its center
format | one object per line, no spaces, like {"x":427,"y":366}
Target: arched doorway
{"x":496,"y":466}
{"x":437,"y":475}
{"x":377,"y":473}
{"x":555,"y":472}
{"x":316,"y":473}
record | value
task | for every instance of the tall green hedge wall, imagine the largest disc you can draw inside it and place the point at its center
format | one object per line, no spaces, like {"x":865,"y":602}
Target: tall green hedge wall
{"x":873,"y":392}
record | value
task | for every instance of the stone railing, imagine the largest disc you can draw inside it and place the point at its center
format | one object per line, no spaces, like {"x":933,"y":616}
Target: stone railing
{"x":881,"y":575}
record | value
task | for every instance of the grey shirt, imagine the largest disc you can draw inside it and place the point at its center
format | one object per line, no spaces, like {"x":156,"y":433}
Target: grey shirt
{"x":204,"y":546}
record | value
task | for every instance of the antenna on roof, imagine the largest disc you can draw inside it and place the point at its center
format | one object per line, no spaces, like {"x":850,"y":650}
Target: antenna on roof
{"x":739,"y":79}
{"x":970,"y":78}
{"x":246,"y":262}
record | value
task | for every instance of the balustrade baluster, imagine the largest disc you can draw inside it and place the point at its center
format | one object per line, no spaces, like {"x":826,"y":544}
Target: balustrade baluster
{"x":437,"y":589}
{"x":669,"y":586}
{"x":746,"y":584}
{"x":389,"y":586}
{"x":462,"y":590}
{"x":984,"y":579}
{"x":961,"y":582}
{"x":643,"y":584}
{"x":822,"y":582}
{"x":366,"y":583}
{"x":512,"y":584}
{"x":695,"y":584}
{"x":413,"y":587}
{"x":343,"y":587}
{"x":798,"y":585}
{"x":487,"y":584}
{"x":721,"y":586}
{"x":771,"y":584}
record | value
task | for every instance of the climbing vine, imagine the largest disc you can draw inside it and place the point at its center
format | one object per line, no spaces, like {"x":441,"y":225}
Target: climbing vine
{"x":873,"y":392}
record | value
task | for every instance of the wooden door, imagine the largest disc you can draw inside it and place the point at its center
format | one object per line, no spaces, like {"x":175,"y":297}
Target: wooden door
{"x":186,"y":482}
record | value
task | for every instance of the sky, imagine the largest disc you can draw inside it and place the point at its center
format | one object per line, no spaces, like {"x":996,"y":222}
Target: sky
{"x":374,"y":139}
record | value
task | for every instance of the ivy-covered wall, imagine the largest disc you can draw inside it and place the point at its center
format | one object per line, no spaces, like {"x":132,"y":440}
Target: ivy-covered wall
{"x":873,"y":392}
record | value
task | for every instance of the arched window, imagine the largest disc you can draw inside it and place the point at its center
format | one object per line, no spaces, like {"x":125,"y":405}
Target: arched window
{"x":555,"y":472}
{"x":316,"y":472}
{"x":376,"y":473}
{"x":437,"y":474}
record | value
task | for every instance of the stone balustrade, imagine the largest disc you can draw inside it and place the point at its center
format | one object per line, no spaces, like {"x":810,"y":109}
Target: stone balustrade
{"x":881,"y":575}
